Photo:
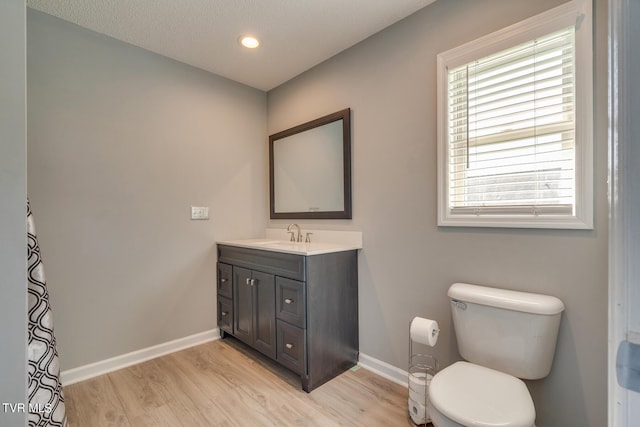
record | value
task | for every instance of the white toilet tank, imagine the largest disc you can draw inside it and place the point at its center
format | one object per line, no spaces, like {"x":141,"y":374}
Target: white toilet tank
{"x":509,"y":331}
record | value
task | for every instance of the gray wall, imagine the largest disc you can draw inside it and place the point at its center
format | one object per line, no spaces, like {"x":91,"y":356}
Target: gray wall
{"x":407,"y":263}
{"x":121,"y":143}
{"x":13,"y":197}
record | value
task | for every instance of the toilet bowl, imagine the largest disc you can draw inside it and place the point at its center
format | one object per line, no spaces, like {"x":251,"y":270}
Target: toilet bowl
{"x":504,"y":336}
{"x":465,"y":394}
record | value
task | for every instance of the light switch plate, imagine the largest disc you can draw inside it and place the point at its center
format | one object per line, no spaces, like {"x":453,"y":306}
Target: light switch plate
{"x":199,"y":212}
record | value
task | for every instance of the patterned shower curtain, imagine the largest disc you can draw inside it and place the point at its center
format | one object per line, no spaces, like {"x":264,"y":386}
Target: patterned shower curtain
{"x":46,"y":400}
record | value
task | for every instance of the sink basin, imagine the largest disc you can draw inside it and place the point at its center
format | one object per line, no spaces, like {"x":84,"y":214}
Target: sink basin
{"x":276,"y":244}
{"x":281,"y":244}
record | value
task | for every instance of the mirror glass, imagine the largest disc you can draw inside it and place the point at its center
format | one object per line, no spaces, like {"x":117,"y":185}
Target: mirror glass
{"x":310,"y":169}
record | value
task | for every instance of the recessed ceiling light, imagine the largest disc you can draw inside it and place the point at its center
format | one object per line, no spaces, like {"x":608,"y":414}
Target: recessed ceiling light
{"x":249,"y":42}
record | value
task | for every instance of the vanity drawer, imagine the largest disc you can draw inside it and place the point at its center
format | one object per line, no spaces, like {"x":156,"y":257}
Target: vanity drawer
{"x":225,"y":314}
{"x":291,"y":347}
{"x":290,"y":301}
{"x":225,"y":287}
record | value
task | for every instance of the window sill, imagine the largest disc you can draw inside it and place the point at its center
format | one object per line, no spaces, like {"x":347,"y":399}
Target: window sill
{"x":519,"y":221}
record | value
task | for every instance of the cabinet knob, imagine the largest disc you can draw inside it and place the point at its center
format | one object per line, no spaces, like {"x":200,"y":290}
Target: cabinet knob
{"x":248,"y":281}
{"x":252,"y":282}
{"x":223,"y":280}
{"x":289,"y":346}
{"x":288,"y":301}
{"x":224,"y":313}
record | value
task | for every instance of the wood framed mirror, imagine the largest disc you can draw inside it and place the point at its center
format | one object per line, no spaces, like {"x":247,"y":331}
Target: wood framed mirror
{"x":310,"y":169}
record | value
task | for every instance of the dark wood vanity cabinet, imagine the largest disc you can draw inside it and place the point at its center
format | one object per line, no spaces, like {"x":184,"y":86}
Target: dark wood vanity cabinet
{"x":300,"y":310}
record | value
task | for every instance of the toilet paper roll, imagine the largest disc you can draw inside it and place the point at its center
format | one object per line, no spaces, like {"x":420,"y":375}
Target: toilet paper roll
{"x":418,"y":412}
{"x":424,"y":331}
{"x":417,"y":396}
{"x":418,"y":386}
{"x":417,"y":380}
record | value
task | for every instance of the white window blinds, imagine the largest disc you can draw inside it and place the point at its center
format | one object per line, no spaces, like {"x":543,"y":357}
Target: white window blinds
{"x":511,"y":130}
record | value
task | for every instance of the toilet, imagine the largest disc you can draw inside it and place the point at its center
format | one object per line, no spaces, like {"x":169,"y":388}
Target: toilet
{"x":504,"y":336}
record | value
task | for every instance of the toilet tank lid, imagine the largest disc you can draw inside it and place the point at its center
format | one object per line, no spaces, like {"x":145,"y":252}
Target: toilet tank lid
{"x":503,"y":298}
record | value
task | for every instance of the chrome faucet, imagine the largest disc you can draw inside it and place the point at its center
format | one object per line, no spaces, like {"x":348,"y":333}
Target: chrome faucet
{"x":298,"y":237}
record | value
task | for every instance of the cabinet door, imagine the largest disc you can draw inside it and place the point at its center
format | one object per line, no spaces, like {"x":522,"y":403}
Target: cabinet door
{"x":243,"y":305}
{"x":265,"y":313}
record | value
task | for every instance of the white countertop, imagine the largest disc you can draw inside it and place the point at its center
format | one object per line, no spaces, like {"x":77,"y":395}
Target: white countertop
{"x":300,"y":248}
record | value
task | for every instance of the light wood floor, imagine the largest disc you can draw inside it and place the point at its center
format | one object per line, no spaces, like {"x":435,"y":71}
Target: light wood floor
{"x":224,"y":383}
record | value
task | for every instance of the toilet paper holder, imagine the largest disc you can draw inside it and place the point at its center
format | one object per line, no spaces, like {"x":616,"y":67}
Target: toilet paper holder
{"x":422,"y":367}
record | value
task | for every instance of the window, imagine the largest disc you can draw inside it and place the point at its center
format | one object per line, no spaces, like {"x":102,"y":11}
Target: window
{"x":515,"y":125}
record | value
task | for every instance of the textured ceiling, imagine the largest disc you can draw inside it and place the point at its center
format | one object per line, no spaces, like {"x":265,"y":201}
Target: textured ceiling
{"x":295,"y":34}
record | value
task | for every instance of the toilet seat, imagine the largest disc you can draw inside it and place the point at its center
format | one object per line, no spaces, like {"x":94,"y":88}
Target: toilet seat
{"x":473,"y":395}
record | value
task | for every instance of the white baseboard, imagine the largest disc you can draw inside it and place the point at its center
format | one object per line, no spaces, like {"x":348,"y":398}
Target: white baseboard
{"x":85,"y":372}
{"x":102,"y":367}
{"x":383,"y":369}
